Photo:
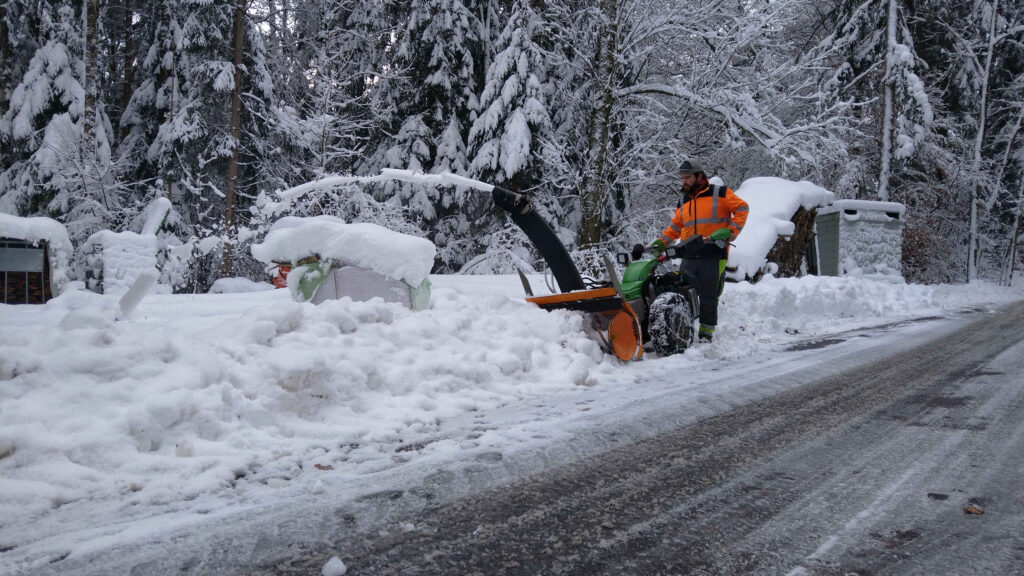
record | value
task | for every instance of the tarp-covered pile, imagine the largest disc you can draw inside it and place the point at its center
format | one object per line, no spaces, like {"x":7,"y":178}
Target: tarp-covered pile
{"x":332,"y":259}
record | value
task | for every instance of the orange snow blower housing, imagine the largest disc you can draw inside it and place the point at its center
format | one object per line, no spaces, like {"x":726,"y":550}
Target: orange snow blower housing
{"x":613,"y":318}
{"x":610,"y":315}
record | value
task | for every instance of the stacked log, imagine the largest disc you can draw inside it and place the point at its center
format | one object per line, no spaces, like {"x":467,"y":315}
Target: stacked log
{"x":790,"y":252}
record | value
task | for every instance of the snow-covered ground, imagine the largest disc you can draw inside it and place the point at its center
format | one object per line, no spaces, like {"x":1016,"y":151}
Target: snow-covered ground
{"x":198,"y":406}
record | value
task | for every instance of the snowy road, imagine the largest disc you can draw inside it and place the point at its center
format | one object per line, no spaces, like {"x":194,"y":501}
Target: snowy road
{"x":867,"y":471}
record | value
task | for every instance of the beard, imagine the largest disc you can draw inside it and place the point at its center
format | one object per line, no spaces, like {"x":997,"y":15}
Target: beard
{"x":691,"y":189}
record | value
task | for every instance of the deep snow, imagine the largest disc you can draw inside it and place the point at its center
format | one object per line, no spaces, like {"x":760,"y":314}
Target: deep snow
{"x":200,"y":405}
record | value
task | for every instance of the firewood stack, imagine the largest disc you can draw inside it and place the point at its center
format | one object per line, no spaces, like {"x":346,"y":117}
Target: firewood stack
{"x":790,"y":252}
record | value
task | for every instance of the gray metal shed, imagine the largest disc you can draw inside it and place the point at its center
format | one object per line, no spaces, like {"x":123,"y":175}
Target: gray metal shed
{"x":860,"y":236}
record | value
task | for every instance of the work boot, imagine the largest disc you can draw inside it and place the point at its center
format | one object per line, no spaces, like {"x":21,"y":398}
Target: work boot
{"x":705,"y":334}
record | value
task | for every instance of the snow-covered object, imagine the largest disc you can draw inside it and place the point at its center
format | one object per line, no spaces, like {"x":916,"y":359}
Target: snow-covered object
{"x":121,"y":257}
{"x":139,"y":289}
{"x":361,"y":284}
{"x":387,"y":174}
{"x":773,"y":202}
{"x":53,"y":233}
{"x":869,"y":241}
{"x":334,"y":567}
{"x":397,"y":256}
{"x":238,"y":286}
{"x":156,"y":213}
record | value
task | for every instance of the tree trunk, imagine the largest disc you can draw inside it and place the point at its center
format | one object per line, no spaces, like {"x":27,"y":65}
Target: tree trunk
{"x":1015,"y":233}
{"x":92,"y":70}
{"x":1000,"y":169}
{"x":972,"y":251}
{"x":129,"y":61}
{"x":887,"y":111}
{"x":236,"y":133}
{"x":5,"y":58}
{"x":163,"y":76}
{"x":595,"y":191}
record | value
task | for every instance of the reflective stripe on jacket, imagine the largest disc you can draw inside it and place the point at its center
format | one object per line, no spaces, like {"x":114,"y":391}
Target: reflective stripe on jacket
{"x":713,"y":208}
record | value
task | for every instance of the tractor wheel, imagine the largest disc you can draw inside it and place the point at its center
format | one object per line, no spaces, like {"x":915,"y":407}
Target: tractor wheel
{"x":671,"y":321}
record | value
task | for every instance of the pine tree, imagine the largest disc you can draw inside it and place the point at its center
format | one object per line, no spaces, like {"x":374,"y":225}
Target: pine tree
{"x":59,"y":135}
{"x":513,"y":122}
{"x":873,"y":46}
{"x":181,"y":115}
{"x":427,"y":99}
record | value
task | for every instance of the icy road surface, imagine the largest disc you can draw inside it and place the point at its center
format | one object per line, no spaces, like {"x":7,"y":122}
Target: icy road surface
{"x":858,"y":453}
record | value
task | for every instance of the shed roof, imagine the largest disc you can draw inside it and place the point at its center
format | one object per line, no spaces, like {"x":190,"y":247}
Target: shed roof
{"x":872,"y":205}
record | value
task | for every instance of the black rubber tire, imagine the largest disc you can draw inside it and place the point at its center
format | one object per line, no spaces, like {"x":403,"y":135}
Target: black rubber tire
{"x":671,"y":323}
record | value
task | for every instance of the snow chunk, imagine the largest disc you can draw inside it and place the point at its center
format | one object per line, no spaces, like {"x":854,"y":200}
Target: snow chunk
{"x":334,"y":567}
{"x":36,"y":230}
{"x":238,"y":286}
{"x":773,"y":201}
{"x":397,"y":256}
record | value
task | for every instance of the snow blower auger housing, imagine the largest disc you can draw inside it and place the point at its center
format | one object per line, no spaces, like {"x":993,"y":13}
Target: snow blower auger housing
{"x":611,"y":315}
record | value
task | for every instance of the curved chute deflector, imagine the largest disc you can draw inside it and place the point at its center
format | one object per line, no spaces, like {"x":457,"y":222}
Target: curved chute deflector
{"x":542,"y":236}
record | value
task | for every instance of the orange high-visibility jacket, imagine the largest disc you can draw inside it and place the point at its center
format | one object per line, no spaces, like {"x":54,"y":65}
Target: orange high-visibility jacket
{"x":710,"y":209}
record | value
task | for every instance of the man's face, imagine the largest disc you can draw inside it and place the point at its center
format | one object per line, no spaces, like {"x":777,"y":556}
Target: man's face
{"x":689,"y":183}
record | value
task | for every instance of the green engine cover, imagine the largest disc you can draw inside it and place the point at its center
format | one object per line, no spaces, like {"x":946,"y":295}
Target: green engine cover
{"x":633,"y":279}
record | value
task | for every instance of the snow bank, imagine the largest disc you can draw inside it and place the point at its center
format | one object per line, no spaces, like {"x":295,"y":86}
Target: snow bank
{"x":148,"y":414}
{"x":818,"y":304}
{"x":201,"y":404}
{"x":36,"y":230}
{"x":397,"y":256}
{"x":773,"y":202}
{"x":238,"y":286}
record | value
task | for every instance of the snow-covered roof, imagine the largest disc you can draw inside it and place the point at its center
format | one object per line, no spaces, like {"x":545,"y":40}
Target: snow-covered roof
{"x":35,"y":230}
{"x":872,"y":205}
{"x":773,"y":202}
{"x":398,"y":256}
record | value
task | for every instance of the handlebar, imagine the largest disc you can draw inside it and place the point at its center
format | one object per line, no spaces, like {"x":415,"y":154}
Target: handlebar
{"x":688,"y":248}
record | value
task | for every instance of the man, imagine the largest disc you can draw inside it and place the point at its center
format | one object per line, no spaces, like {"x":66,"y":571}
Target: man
{"x":717,"y":214}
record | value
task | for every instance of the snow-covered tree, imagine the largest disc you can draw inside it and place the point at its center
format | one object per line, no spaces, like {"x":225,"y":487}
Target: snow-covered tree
{"x":872,"y":46}
{"x":976,"y":59}
{"x":513,"y":122}
{"x":58,"y":159}
{"x":427,"y":97}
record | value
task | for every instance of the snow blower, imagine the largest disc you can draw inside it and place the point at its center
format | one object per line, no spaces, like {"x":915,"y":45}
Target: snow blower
{"x":611,"y":315}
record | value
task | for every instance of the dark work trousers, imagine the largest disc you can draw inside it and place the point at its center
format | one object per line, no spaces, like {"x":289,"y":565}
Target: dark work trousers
{"x":710,"y":276}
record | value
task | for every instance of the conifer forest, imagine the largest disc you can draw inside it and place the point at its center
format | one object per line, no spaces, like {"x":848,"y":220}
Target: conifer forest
{"x":590,"y":106}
